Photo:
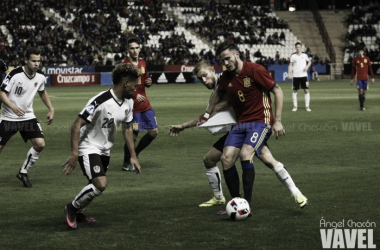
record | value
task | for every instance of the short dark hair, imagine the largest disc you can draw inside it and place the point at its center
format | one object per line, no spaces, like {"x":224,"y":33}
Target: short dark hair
{"x":124,"y":70}
{"x":32,"y":51}
{"x":201,"y":64}
{"x":297,"y":43}
{"x":226,"y":45}
{"x":133,"y":40}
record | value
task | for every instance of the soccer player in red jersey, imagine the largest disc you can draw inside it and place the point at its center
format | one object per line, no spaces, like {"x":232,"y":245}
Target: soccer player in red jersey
{"x":144,"y":117}
{"x":360,"y":65}
{"x":206,"y":75}
{"x":248,"y":87}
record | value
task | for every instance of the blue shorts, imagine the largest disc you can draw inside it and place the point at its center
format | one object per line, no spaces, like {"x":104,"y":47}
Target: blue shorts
{"x":144,"y":121}
{"x":254,"y":133}
{"x":361,"y":84}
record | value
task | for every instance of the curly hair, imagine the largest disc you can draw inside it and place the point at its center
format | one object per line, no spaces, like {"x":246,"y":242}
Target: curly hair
{"x":124,"y":70}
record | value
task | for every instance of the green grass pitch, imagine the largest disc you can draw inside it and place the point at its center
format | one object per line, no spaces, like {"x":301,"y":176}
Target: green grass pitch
{"x":332,"y":154}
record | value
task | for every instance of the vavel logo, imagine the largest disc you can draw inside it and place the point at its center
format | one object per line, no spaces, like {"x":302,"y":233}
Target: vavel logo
{"x":347,"y":235}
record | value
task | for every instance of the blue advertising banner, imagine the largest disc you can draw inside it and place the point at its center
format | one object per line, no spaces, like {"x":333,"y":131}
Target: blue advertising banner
{"x":281,"y":72}
{"x":65,"y":70}
{"x":106,"y":78}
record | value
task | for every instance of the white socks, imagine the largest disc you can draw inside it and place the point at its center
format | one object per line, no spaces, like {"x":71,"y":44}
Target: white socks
{"x":307,"y":99}
{"x":294,"y":97}
{"x":31,"y":158}
{"x":213,"y":176}
{"x":85,"y":196}
{"x":283,"y":175}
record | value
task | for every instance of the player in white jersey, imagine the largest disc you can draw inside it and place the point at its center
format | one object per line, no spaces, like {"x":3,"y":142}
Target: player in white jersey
{"x":17,"y":93}
{"x":299,"y":64}
{"x":93,"y":135}
{"x":206,"y":74}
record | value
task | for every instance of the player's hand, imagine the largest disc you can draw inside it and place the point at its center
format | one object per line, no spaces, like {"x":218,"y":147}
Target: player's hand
{"x":135,"y":164}
{"x":351,"y":82}
{"x":175,"y":129}
{"x":372,"y":80}
{"x":70,"y":164}
{"x":18,"y":111}
{"x":50,"y":117}
{"x":148,"y":81}
{"x":140,"y":98}
{"x":203,"y":118}
{"x":278,"y":129}
{"x":290,"y":76}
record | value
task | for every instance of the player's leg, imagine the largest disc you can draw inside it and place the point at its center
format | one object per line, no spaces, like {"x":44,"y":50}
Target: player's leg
{"x":149,"y":122}
{"x":359,"y":86}
{"x":363,"y":91}
{"x":283,"y":175}
{"x":305,"y":87}
{"x":94,"y":167}
{"x":7,"y":130}
{"x":231,"y":151}
{"x":256,"y":136}
{"x":231,"y":175}
{"x":214,"y":177}
{"x":295,"y":87}
{"x":146,"y":140}
{"x":31,"y":130}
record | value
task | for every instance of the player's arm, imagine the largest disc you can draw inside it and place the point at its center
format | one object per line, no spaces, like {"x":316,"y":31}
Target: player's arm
{"x":222,"y":105}
{"x":4,"y":99}
{"x":371,"y":71}
{"x":148,"y":81}
{"x":353,"y":71}
{"x":128,"y":138}
{"x":216,"y":98}
{"x":71,"y":162}
{"x":307,"y":65}
{"x":290,"y":69}
{"x":175,"y":129}
{"x":278,"y":129}
{"x":46,"y":100}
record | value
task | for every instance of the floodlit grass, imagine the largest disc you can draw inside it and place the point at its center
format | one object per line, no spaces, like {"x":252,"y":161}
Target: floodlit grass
{"x":332,"y":154}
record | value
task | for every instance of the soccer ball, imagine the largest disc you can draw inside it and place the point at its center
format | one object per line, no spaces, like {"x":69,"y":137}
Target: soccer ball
{"x":238,"y":209}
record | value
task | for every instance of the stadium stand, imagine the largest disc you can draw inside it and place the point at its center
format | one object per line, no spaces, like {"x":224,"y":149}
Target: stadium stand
{"x":363,"y":32}
{"x":95,"y":32}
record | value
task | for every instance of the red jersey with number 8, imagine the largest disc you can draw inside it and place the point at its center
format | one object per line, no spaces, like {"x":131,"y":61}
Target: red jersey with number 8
{"x":248,"y":93}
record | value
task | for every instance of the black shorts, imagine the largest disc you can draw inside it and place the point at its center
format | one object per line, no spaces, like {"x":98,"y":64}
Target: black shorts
{"x":29,"y":129}
{"x":94,"y":165}
{"x":300,"y":81}
{"x":219,"y":145}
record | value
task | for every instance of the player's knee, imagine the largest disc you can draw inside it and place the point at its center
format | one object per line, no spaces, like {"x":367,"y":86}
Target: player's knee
{"x":101,"y":186}
{"x":208,"y":162}
{"x":1,"y":148}
{"x":153,"y":132}
{"x":227,"y":161}
{"x":39,"y":147}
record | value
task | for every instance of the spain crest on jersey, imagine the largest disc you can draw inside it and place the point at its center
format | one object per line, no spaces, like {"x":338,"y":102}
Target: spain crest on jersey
{"x":142,"y":69}
{"x":247,"y":82}
{"x":135,"y":126}
{"x":365,"y":60}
